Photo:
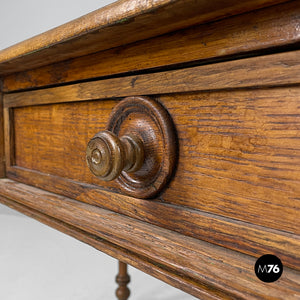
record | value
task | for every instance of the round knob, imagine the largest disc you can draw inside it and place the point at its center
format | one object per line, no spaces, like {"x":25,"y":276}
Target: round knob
{"x":108,"y":155}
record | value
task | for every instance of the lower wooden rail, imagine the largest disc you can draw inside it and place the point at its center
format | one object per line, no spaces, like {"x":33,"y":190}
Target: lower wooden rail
{"x":209,"y":271}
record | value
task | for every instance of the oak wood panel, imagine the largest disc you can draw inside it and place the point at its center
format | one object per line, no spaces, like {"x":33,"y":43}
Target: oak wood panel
{"x":120,"y":23}
{"x":239,"y":155}
{"x":239,"y":150}
{"x":248,"y":32}
{"x":264,"y":71}
{"x":228,"y":273}
{"x":53,"y":130}
{"x":227,"y":232}
{"x":2,"y":157}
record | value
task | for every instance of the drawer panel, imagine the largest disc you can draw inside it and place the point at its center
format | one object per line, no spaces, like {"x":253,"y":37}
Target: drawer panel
{"x":239,"y":150}
{"x":238,"y":163}
{"x":64,"y":129}
{"x":239,"y":155}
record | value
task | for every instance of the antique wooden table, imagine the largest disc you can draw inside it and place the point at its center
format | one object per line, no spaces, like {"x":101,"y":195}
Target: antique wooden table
{"x":165,"y":134}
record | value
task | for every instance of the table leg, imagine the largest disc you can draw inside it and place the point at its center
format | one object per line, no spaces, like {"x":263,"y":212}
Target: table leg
{"x":122,"y":279}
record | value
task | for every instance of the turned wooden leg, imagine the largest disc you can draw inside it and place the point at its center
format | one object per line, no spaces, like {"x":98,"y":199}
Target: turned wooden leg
{"x":122,"y":279}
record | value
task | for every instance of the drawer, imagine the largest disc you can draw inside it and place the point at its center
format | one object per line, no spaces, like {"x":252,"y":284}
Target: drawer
{"x":235,"y":186}
{"x":237,"y":150}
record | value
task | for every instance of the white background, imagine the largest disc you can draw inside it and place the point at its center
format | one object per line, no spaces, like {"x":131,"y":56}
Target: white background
{"x":36,"y":261}
{"x":22,"y":19}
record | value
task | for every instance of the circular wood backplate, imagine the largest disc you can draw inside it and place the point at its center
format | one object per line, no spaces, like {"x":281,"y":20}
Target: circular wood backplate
{"x":148,"y":120}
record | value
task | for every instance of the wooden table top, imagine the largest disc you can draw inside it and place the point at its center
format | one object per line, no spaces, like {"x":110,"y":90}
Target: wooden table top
{"x":119,"y":23}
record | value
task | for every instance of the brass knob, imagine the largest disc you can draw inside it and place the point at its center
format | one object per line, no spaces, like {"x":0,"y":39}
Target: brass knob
{"x":108,"y":155}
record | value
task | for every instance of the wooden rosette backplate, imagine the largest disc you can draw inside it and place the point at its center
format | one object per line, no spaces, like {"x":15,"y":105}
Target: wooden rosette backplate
{"x":150,"y":121}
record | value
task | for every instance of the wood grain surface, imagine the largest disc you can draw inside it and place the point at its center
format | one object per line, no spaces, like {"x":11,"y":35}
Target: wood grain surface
{"x":239,"y":148}
{"x":243,"y":34}
{"x":243,"y":143}
{"x":2,"y":157}
{"x":228,"y":74}
{"x":9,"y":138}
{"x":118,"y":24}
{"x":227,"y":232}
{"x":225,"y":274}
{"x":264,"y":71}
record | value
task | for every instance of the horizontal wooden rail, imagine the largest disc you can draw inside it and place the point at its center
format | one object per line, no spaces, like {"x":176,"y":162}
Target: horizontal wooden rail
{"x":264,"y":71}
{"x":204,"y":263}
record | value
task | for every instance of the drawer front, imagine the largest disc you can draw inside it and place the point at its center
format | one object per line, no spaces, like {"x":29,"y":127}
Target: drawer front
{"x":237,"y":179}
{"x":239,"y":151}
